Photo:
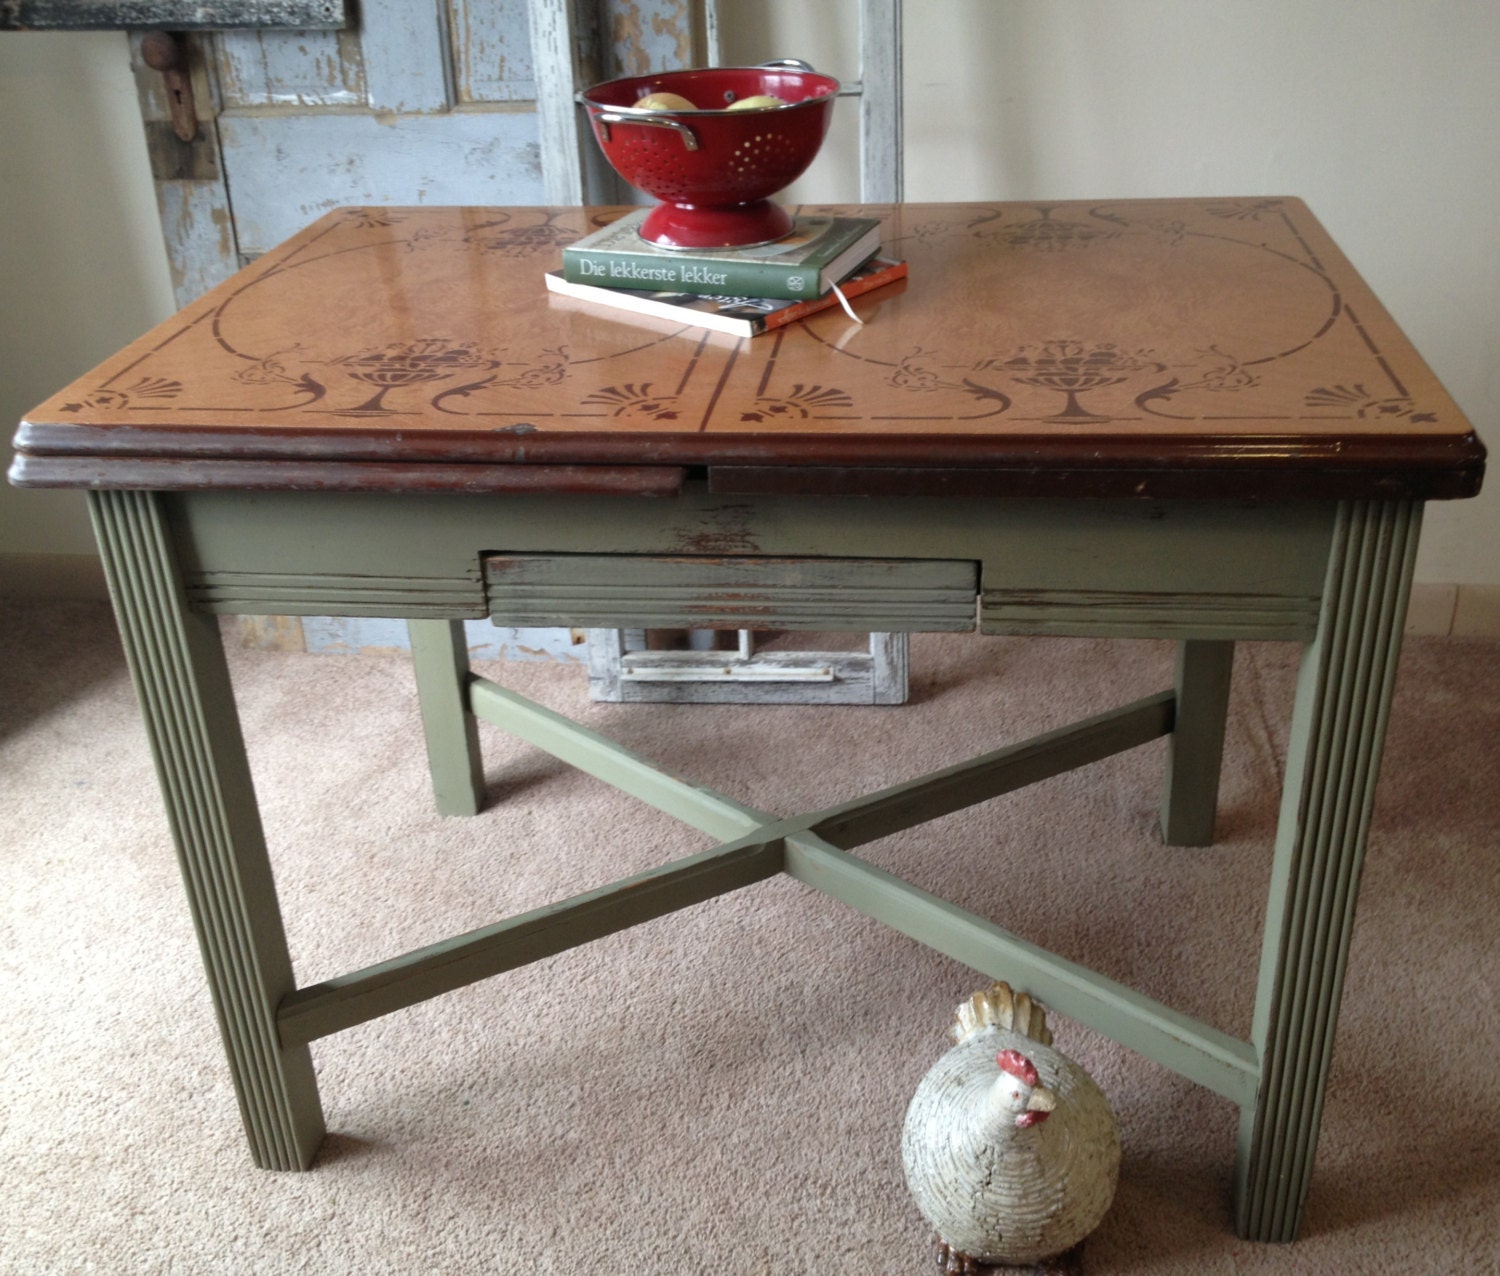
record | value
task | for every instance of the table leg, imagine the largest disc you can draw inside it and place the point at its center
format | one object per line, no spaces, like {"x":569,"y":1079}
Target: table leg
{"x":177,"y":661}
{"x":440,"y":659}
{"x":1195,"y":749}
{"x":1333,"y":758}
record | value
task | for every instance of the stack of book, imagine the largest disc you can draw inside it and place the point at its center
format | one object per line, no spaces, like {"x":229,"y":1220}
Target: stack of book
{"x":743,"y":291}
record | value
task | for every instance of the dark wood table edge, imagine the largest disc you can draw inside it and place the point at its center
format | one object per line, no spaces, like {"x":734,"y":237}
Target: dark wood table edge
{"x":169,"y":474}
{"x":1268,"y":466}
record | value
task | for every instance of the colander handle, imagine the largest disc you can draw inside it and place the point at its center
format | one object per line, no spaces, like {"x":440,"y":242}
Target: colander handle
{"x":606,"y":118}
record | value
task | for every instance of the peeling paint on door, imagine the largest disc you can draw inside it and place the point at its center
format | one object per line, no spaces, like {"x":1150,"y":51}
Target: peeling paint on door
{"x":407,"y":105}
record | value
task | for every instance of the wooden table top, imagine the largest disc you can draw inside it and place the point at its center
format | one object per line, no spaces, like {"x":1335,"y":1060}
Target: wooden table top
{"x":1183,"y":347}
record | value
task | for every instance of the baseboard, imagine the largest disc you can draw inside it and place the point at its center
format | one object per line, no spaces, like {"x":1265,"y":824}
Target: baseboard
{"x":1478,"y":612}
{"x":1462,"y":611}
{"x":54,"y":576}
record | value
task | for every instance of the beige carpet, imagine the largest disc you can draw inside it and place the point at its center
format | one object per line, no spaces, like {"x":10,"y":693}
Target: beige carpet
{"x":722,"y":1090}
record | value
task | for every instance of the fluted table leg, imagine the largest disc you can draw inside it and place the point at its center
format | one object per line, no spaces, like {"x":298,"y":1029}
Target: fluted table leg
{"x":177,"y":661}
{"x":1338,"y":727}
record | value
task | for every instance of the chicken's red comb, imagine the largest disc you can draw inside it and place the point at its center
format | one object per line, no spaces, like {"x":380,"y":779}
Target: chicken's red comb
{"x":1018,"y":1065}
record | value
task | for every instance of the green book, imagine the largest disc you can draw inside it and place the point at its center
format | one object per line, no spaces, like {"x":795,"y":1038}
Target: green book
{"x":817,"y":254}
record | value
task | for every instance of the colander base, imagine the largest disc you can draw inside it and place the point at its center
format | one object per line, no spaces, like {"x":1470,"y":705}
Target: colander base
{"x":760,"y":221}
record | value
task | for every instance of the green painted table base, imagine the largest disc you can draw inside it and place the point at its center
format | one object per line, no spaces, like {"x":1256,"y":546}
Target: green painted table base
{"x":173,"y":561}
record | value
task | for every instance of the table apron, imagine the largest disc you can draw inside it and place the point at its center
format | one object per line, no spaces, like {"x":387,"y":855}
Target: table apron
{"x":1106,"y":568}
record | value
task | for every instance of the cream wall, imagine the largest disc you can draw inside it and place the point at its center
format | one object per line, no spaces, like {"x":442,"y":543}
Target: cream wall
{"x":1383,"y":116}
{"x":82,"y":267}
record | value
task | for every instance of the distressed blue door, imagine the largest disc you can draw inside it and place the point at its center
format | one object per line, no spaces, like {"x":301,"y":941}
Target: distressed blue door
{"x":446,"y":102}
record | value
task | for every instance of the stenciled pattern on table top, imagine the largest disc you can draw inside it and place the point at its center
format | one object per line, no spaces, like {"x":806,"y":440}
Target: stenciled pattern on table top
{"x":438,"y":370}
{"x":1192,"y":382}
{"x":908,"y":365}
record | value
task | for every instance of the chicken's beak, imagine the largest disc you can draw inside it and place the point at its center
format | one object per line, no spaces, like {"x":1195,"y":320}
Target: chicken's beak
{"x":1038,"y":1108}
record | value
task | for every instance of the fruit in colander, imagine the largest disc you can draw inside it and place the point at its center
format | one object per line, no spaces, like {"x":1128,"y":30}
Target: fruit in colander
{"x":756,"y":102}
{"x":665,"y":102}
{"x":713,"y":168}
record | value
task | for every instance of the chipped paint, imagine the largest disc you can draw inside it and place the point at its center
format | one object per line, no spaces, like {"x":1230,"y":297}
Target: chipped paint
{"x":170,"y":15}
{"x":353,"y":635}
{"x":627,"y":46}
{"x":291,"y":69}
{"x":224,"y":223}
{"x":297,"y":138}
{"x":268,"y":633}
{"x":657,"y":35}
{"x":346,"y":157}
{"x":491,"y":51}
{"x":677,"y":26}
{"x":199,"y":234}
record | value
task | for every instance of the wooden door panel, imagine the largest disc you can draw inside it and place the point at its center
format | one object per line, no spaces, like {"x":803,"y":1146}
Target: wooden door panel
{"x":432,"y":103}
{"x":490,"y":42}
{"x":290,"y":68}
{"x":199,"y":231}
{"x":287,"y":170}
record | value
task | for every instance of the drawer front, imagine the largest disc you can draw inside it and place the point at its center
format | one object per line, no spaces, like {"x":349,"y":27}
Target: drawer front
{"x":688,"y":592}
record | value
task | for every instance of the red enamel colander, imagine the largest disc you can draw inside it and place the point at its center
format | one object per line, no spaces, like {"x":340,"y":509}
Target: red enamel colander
{"x":714,"y":169}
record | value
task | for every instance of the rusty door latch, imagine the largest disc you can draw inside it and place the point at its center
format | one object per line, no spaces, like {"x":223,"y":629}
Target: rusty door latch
{"x":162,"y":51}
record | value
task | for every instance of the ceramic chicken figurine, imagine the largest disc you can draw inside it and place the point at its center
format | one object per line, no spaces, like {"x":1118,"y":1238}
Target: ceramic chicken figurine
{"x":1011,"y":1150}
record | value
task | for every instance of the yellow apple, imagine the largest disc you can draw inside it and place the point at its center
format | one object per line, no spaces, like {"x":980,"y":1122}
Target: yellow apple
{"x":760,"y":102}
{"x":665,"y":102}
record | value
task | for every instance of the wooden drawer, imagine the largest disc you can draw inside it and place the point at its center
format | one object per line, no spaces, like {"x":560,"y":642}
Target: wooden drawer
{"x":688,"y":592}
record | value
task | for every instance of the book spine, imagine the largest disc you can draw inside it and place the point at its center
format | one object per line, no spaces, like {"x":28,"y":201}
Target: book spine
{"x":702,"y":275}
{"x":851,"y":289}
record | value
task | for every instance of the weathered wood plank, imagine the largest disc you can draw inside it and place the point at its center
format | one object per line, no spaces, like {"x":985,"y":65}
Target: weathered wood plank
{"x":877,"y":674}
{"x":168,"y":15}
{"x":768,"y":677}
{"x":405,"y":55}
{"x":881,"y":125}
{"x":720,"y":666}
{"x":732,"y":592}
{"x":270,"y":633}
{"x":890,"y":667}
{"x":606,"y":664}
{"x":291,"y":68}
{"x":491,"y":51}
{"x":290,"y":168}
{"x":558,"y":63}
{"x":199,"y":230}
{"x":380,"y":635}
{"x":640,"y":36}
